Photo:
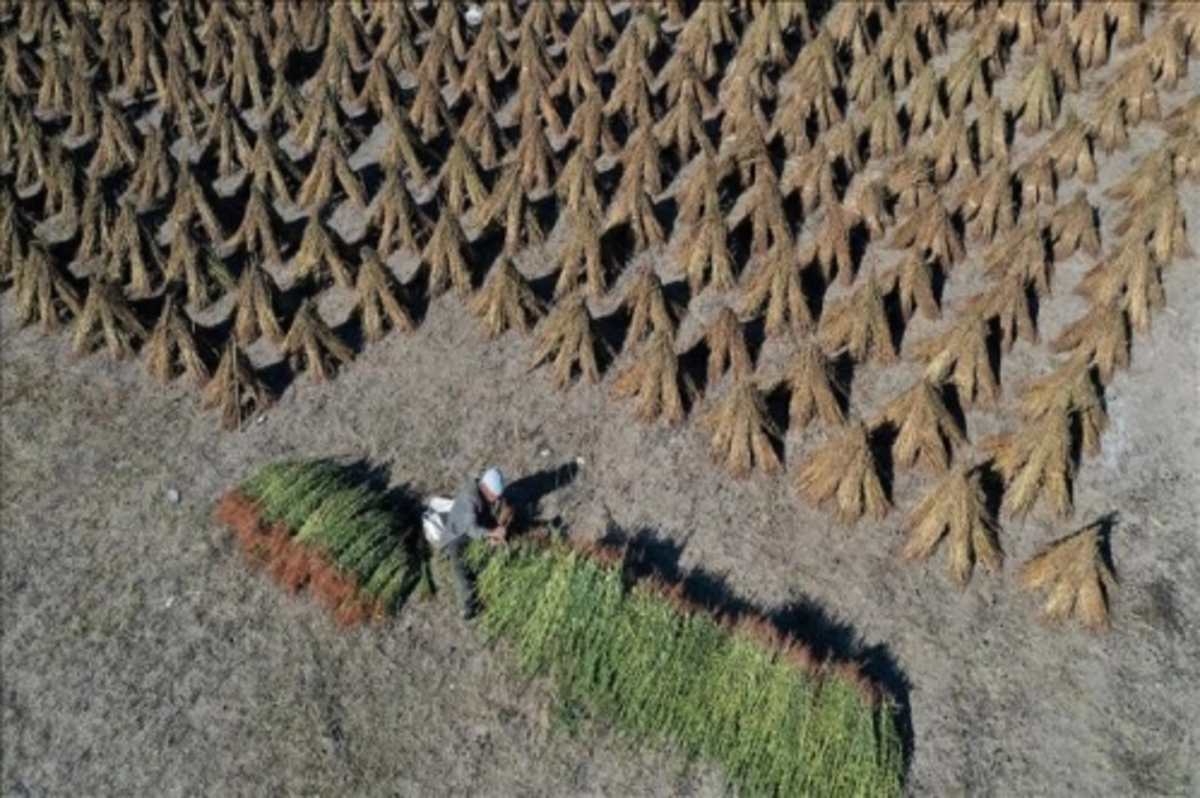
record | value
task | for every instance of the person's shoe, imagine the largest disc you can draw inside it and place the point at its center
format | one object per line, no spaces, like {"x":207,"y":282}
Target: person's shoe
{"x":470,"y":610}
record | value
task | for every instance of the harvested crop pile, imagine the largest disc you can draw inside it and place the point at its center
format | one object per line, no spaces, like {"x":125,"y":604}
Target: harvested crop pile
{"x":311,"y":524}
{"x":732,"y":690}
{"x":727,"y":687}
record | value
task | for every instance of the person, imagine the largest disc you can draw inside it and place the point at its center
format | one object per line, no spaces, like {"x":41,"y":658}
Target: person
{"x":480,"y":511}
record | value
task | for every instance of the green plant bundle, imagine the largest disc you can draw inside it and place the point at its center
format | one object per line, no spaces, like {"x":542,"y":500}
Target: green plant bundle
{"x":630,"y":655}
{"x":325,"y":508}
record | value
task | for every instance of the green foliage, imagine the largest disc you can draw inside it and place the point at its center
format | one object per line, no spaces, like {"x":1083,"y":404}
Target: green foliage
{"x":325,"y":507}
{"x":663,"y":675}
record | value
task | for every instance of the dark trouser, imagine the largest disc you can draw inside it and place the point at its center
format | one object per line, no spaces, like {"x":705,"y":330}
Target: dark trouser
{"x":454,"y":551}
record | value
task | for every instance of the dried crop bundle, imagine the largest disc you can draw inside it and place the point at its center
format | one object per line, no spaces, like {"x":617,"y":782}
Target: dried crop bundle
{"x":931,"y":230}
{"x":330,"y":170}
{"x":961,"y":356}
{"x":1101,"y":338}
{"x":814,"y":388}
{"x":107,"y":318}
{"x":255,"y":306}
{"x":991,"y":131}
{"x":258,"y":234}
{"x":742,"y":432}
{"x":460,"y":180}
{"x":727,"y":350}
{"x":955,"y":510}
{"x":506,"y":301}
{"x":648,"y":308}
{"x":174,"y":347}
{"x":380,"y":297}
{"x":1079,"y":577}
{"x":705,"y":258}
{"x":1130,"y":277}
{"x":580,"y":257}
{"x":633,"y":206}
{"x":319,"y":257}
{"x":445,"y":257}
{"x":986,"y":205}
{"x":654,"y":379}
{"x":773,"y":281}
{"x":134,"y":259}
{"x":510,"y":209}
{"x":395,"y":220}
{"x":951,"y":148}
{"x":1073,"y":390}
{"x":534,"y":157}
{"x":926,"y":431}
{"x":44,"y":291}
{"x":235,"y":389}
{"x":1009,"y":304}
{"x":858,"y":324}
{"x":1074,"y":226}
{"x":1037,"y":464}
{"x":311,"y":345}
{"x":1161,"y":224}
{"x":567,"y":336}
{"x":1022,"y":254}
{"x":194,"y":266}
{"x":845,"y":472}
{"x":810,"y":176}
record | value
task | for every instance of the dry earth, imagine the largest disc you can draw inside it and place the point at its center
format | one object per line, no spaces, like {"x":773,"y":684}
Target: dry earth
{"x":140,"y":656}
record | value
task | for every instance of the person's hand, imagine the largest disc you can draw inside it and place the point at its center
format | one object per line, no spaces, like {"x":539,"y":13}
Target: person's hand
{"x":498,"y":534}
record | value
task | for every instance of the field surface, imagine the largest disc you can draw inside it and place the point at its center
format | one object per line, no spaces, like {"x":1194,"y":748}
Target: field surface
{"x":139,"y":655}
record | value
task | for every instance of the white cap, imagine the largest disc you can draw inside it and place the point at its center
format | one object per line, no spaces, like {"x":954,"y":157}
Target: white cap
{"x":493,"y":480}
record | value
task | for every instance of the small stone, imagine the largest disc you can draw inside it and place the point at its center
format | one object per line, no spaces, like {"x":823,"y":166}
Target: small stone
{"x":474,"y":15}
{"x":579,"y":461}
{"x":173,"y":496}
{"x":544,"y":453}
{"x":261,"y":419}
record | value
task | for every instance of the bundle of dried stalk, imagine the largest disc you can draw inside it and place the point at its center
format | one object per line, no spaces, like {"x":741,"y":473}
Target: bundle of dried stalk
{"x":926,"y":431}
{"x":235,"y":389}
{"x":568,"y":337}
{"x":743,"y":434}
{"x":654,"y":379}
{"x":174,"y":348}
{"x":845,"y":472}
{"x":956,"y":510}
{"x":107,"y":318}
{"x":1079,"y":576}
{"x":380,"y":297}
{"x":311,"y":345}
{"x":506,"y":301}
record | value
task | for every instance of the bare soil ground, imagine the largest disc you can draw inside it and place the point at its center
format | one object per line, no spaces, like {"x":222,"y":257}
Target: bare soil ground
{"x":139,"y":654}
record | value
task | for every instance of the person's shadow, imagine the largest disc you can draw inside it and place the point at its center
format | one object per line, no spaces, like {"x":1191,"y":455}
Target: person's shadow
{"x":526,"y":493}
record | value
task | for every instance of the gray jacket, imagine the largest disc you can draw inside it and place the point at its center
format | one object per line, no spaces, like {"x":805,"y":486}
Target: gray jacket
{"x":471,"y":515}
